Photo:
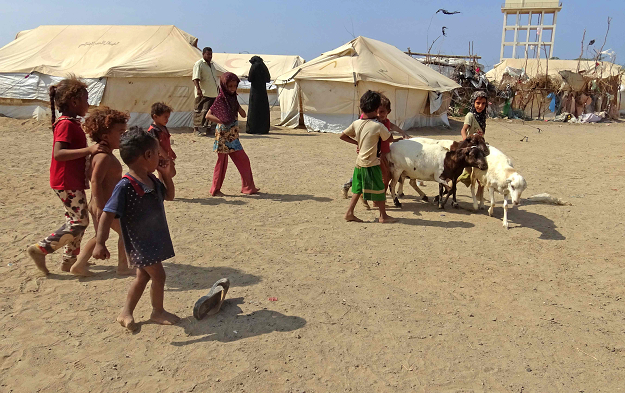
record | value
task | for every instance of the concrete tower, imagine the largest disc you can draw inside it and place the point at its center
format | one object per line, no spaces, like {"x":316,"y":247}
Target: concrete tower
{"x":529,"y":28}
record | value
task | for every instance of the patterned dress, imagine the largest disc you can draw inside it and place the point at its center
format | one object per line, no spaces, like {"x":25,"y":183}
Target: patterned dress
{"x":227,"y":138}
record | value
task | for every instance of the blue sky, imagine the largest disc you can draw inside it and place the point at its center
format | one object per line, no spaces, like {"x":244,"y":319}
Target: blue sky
{"x":308,"y":28}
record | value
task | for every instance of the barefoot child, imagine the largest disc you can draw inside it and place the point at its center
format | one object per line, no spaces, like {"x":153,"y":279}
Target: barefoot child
{"x":385,"y":146}
{"x":104,"y":126}
{"x":366,"y":133}
{"x":224,"y":112}
{"x":474,"y":123}
{"x":158,"y":129}
{"x":137,"y":201}
{"x":67,"y":173}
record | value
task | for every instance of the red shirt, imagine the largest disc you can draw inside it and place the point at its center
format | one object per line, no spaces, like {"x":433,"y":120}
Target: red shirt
{"x":385,"y":146}
{"x":164,"y":139}
{"x":69,"y":175}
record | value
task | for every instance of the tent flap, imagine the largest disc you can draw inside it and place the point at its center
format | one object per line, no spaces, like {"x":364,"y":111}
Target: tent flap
{"x":35,"y":86}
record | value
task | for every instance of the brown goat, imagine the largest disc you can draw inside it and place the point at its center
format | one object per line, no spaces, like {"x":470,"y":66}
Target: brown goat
{"x":471,"y":152}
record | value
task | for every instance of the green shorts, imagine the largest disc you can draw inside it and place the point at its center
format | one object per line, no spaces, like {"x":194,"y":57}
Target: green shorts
{"x":368,"y":181}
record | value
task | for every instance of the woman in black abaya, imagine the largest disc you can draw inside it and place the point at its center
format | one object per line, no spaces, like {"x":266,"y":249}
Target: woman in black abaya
{"x":258,"y":111}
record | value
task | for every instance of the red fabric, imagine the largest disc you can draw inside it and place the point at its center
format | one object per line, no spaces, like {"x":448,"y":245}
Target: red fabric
{"x":138,"y":189}
{"x":226,"y":105}
{"x":385,"y":146}
{"x":242,"y":161}
{"x":69,"y":175}
{"x":164,"y":139}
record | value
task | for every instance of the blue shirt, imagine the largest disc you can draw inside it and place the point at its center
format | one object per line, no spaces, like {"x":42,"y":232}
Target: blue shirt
{"x":141,"y":212}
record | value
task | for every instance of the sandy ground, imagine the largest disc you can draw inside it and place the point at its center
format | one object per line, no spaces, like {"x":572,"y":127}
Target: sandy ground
{"x":444,"y":301}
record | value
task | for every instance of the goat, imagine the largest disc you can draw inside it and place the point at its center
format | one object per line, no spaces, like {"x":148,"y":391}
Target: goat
{"x":448,"y":145}
{"x":431,"y":161}
{"x":501,"y":177}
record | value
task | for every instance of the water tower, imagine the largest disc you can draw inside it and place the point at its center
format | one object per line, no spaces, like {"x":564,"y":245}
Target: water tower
{"x":529,"y":28}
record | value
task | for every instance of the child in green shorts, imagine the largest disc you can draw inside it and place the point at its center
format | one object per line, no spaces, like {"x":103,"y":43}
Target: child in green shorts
{"x":366,"y":133}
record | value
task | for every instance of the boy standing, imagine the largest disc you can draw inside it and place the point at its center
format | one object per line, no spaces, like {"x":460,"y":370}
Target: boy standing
{"x":138,"y":203}
{"x":366,"y":133}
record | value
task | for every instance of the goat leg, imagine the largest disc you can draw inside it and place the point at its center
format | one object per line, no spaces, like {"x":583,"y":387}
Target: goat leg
{"x":413,"y":183}
{"x":392,"y":188}
{"x":449,"y":192}
{"x":505,"y":212}
{"x":491,"y":209}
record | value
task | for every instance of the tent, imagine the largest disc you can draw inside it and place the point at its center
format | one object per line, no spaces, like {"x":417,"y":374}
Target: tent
{"x":535,"y":67}
{"x":324,"y":93}
{"x":572,"y":86}
{"x":239,"y":64}
{"x":126,"y":68}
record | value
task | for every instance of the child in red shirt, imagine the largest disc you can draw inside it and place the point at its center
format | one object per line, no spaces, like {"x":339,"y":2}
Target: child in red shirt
{"x":67,"y":173}
{"x":158,"y":129}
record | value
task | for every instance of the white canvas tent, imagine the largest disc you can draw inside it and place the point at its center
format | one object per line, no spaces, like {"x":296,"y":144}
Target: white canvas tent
{"x":126,"y":68}
{"x":325,"y":92}
{"x":239,"y":64}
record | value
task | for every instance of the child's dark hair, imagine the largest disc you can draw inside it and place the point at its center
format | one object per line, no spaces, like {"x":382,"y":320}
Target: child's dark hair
{"x":385,"y":102}
{"x":63,"y":92}
{"x":160,"y":108}
{"x":134,"y":143}
{"x":100,"y":121}
{"x":370,"y":101}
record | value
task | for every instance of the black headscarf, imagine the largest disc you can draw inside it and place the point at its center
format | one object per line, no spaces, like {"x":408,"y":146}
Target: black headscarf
{"x":480,"y":117}
{"x":259,"y":74}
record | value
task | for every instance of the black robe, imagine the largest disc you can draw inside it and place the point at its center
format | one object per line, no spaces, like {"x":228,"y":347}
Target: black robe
{"x":258,"y":111}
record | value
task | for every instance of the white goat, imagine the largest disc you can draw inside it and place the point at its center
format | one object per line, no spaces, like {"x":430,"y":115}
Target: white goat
{"x":446,"y":143}
{"x":419,"y":161}
{"x":501,"y":177}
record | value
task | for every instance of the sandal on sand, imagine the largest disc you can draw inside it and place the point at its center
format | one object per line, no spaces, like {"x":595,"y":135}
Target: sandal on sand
{"x":211,"y":303}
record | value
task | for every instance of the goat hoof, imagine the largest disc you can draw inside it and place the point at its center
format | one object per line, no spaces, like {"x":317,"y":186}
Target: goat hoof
{"x":455,"y":205}
{"x":401,"y":195}
{"x":425,"y":199}
{"x":397,"y":203}
{"x":441,"y":206}
{"x":436,"y":198}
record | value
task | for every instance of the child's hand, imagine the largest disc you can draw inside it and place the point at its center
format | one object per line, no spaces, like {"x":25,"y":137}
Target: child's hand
{"x":100,"y":252}
{"x":166,"y":168}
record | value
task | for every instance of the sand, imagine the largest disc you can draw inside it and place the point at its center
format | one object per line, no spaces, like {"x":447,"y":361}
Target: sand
{"x":443,"y":301}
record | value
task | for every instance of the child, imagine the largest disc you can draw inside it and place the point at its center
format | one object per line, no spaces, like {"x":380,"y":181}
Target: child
{"x":366,"y":133}
{"x":158,"y":129}
{"x":67,"y":173}
{"x":105,"y":127}
{"x":474,"y":123}
{"x":475,"y":120}
{"x":224,"y":112}
{"x":137,"y":201}
{"x":385,"y":146}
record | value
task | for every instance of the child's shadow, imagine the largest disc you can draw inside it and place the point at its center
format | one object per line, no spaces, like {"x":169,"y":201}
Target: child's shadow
{"x":230,"y":325}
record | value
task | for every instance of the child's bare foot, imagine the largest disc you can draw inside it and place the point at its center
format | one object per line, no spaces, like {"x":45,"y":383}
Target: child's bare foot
{"x":387,"y":220}
{"x":127,"y":321}
{"x":352,"y":218}
{"x":126,"y":271}
{"x":164,"y":318}
{"x":82,"y":271}
{"x":35,"y":253}
{"x":218,"y":194}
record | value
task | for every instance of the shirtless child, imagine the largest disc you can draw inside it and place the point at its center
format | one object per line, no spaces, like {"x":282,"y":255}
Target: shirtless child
{"x":105,"y":127}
